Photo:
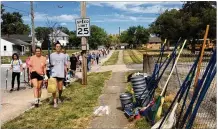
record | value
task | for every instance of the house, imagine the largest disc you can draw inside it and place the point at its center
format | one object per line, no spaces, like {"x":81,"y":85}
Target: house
{"x":123,"y":45}
{"x":12,"y":45}
{"x":154,"y":43}
{"x":59,"y":36}
{"x":25,"y":38}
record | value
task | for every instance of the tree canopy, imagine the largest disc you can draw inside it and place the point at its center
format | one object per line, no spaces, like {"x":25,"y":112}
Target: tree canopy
{"x":98,"y":37}
{"x":189,"y":22}
{"x":135,"y":35}
{"x":12,"y":23}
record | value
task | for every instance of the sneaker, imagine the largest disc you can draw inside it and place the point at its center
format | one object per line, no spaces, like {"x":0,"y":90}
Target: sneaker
{"x":11,"y":90}
{"x":60,"y":101}
{"x":18,"y":89}
{"x":37,"y":103}
{"x":55,"y":105}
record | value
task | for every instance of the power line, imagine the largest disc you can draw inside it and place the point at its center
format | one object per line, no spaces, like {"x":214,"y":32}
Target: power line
{"x":16,"y":9}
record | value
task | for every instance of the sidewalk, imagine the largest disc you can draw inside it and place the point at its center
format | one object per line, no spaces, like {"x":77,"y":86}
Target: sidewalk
{"x":110,"y":97}
{"x":15,"y":103}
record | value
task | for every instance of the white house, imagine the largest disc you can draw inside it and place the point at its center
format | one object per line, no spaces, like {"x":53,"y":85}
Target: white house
{"x":11,"y":45}
{"x":59,"y":36}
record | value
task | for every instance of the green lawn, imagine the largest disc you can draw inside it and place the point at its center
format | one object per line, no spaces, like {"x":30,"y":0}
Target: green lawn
{"x":135,"y":56}
{"x":113,"y":59}
{"x":75,"y":112}
{"x":126,"y":58}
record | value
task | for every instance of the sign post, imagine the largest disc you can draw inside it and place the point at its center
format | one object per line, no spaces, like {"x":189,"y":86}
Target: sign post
{"x":83,"y":31}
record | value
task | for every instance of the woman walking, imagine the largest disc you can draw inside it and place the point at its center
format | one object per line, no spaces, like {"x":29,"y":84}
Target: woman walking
{"x":38,"y":71}
{"x":16,"y":67}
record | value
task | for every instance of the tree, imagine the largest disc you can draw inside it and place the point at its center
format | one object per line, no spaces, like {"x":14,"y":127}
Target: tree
{"x":98,"y":37}
{"x":13,"y":24}
{"x":167,"y":25}
{"x":197,"y":15}
{"x":135,"y":36}
{"x":64,"y":29}
{"x":73,"y":40}
{"x":124,"y":37}
{"x":42,"y":32}
{"x":2,"y":9}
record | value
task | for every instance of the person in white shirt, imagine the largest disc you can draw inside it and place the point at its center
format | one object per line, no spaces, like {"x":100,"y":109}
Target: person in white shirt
{"x":16,"y":67}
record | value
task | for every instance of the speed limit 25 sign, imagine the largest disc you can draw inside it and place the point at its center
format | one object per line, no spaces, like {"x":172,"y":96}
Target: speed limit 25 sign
{"x":83,"y":27}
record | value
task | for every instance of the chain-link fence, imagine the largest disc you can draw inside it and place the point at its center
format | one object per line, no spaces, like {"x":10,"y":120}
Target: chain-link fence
{"x":206,"y":116}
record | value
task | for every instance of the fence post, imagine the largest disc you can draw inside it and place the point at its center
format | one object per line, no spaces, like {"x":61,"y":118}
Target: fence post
{"x":146,"y":63}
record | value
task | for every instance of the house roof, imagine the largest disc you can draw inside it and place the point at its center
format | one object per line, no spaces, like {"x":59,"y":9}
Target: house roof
{"x":25,"y":38}
{"x":154,"y":39}
{"x":59,"y":33}
{"x":17,"y":41}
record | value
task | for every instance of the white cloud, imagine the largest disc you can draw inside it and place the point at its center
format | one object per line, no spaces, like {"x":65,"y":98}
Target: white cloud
{"x":125,"y":18}
{"x":137,"y":7}
{"x":28,"y":2}
{"x":63,"y":24}
{"x":60,"y":18}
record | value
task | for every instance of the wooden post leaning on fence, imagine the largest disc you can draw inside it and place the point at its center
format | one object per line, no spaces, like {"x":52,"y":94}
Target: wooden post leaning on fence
{"x":146,"y":63}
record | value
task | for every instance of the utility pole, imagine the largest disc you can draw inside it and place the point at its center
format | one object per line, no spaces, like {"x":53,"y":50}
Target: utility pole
{"x":84,"y":43}
{"x":33,"y":28}
{"x":119,"y":31}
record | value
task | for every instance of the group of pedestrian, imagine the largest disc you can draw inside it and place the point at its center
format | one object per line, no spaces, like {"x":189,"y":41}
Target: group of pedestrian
{"x":40,"y":68}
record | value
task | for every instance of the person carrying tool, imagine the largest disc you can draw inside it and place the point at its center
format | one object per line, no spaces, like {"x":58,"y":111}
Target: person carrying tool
{"x":59,"y":69}
{"x":16,"y":67}
{"x":37,"y":69}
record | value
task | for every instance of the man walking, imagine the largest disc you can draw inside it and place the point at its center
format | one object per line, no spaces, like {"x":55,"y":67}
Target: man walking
{"x":73,"y":63}
{"x":89,"y":59}
{"x":58,"y":71}
{"x":37,"y":71}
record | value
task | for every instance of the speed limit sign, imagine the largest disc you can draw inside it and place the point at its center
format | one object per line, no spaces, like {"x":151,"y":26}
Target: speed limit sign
{"x":83,"y":27}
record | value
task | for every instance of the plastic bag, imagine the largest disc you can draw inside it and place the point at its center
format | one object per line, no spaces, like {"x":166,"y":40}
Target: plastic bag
{"x":52,"y":85}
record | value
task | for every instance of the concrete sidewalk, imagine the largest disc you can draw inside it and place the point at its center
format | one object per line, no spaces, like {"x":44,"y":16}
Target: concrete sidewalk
{"x":15,"y":103}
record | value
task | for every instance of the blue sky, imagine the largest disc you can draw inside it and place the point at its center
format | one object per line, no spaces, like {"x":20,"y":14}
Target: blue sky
{"x":108,"y":15}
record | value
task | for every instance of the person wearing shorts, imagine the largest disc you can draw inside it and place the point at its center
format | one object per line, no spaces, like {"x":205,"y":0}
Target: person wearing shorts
{"x":59,"y":69}
{"x":37,"y":69}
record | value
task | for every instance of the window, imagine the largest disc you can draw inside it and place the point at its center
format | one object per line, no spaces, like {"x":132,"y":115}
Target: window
{"x":63,"y":37}
{"x":5,"y":48}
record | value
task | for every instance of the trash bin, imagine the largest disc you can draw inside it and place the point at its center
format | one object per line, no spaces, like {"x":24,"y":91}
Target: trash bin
{"x":126,"y":100}
{"x":137,"y":78}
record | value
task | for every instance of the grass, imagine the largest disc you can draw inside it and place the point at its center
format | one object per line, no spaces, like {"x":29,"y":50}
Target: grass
{"x":126,"y":58}
{"x":134,"y":57}
{"x":113,"y":59}
{"x":75,"y":112}
{"x":7,"y":59}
